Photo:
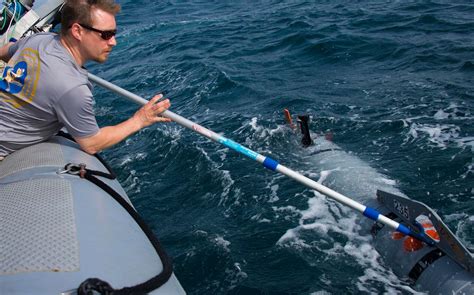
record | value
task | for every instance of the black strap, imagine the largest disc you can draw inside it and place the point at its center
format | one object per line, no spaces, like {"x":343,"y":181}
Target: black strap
{"x":100,"y":173}
{"x":423,"y":263}
{"x":98,"y":285}
{"x":325,"y":150}
{"x":106,"y":165}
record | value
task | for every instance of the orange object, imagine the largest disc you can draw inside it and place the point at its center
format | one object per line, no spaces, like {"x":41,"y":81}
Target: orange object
{"x":411,"y":244}
{"x":288,"y":118}
{"x":433,"y":234}
{"x":428,"y":228}
{"x":396,"y":235}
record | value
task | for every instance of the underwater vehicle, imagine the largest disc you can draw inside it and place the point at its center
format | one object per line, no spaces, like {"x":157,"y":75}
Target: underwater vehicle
{"x":443,"y":266}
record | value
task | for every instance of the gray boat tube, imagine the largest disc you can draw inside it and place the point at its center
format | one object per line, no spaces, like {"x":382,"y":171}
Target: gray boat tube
{"x":59,"y":230}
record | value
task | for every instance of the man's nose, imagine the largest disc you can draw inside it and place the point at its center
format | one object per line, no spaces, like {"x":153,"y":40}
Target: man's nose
{"x":112,"y":41}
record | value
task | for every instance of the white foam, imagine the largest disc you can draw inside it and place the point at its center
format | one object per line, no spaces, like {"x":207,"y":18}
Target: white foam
{"x":258,"y":218}
{"x":463,"y":231}
{"x":132,"y":182}
{"x":235,"y":275}
{"x":454,"y":217}
{"x":126,"y":160}
{"x":453,"y":112}
{"x":441,"y":115}
{"x":223,"y":153}
{"x":386,"y":181}
{"x":261,"y":132}
{"x":466,"y":141}
{"x":317,"y":207}
{"x":324,"y":174}
{"x":326,"y":220}
{"x":291,"y":234}
{"x":287,"y":208}
{"x":222,"y":243}
{"x":390,"y":281}
{"x":408,"y":121}
{"x":274,"y":193}
{"x":253,"y":124}
{"x":374,"y":270}
{"x":227,"y":182}
{"x":201,"y":233}
{"x":440,"y":135}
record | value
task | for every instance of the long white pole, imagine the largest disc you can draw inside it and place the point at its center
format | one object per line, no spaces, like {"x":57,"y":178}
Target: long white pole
{"x":267,"y":162}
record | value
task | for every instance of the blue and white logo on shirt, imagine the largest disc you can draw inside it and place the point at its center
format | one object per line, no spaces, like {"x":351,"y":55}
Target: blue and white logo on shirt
{"x":13,"y":78}
{"x":20,"y":77}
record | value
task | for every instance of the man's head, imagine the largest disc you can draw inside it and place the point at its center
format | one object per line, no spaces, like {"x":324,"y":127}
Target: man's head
{"x":90,"y":24}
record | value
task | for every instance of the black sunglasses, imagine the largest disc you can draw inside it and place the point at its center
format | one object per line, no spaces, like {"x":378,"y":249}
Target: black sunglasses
{"x":106,"y":35}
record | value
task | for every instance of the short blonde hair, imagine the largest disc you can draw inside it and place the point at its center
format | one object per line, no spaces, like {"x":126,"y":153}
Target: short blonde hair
{"x":79,"y":11}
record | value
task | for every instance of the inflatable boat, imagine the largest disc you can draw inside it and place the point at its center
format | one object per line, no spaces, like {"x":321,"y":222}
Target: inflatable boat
{"x":68,"y":227}
{"x":444,"y":266}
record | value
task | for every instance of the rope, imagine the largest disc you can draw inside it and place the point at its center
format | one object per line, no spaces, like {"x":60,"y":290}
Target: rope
{"x":90,"y":285}
{"x":95,"y":284}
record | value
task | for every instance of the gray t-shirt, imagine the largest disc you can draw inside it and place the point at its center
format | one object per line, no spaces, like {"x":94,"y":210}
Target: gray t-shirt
{"x":42,"y":91}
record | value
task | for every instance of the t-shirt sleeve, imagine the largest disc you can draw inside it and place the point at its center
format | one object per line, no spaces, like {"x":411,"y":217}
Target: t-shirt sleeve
{"x":75,"y":111}
{"x":12,"y":49}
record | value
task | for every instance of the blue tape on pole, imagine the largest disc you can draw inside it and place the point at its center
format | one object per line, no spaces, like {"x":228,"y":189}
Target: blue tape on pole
{"x":403,"y":229}
{"x":238,"y":148}
{"x":269,"y":163}
{"x":371,"y":213}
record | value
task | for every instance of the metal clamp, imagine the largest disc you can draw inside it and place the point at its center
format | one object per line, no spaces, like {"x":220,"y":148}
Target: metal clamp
{"x":74,"y":169}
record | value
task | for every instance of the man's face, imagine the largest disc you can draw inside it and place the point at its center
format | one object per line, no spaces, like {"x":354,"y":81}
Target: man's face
{"x":95,"y":47}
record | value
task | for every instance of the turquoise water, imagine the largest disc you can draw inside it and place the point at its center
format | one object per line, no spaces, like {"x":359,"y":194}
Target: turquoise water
{"x":393,"y":81}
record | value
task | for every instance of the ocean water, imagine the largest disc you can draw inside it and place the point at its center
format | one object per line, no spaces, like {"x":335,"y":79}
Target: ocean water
{"x":392,"y":81}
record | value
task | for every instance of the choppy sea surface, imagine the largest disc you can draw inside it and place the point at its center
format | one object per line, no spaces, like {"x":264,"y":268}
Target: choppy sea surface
{"x":393,"y":81}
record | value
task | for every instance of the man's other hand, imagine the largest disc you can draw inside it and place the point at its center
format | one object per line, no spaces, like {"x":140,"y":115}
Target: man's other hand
{"x":150,"y":113}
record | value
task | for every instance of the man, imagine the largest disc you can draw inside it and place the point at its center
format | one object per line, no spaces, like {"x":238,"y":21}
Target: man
{"x":45,"y":87}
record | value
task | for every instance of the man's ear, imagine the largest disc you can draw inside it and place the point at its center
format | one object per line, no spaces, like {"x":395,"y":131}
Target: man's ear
{"x":77,"y":31}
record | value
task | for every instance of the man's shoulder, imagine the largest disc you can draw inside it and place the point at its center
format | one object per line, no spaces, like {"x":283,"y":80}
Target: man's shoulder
{"x":33,"y":42}
{"x":40,"y":37}
{"x":44,"y":35}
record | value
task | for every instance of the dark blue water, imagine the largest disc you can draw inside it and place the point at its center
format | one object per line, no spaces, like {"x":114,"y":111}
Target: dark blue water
{"x":392,"y":80}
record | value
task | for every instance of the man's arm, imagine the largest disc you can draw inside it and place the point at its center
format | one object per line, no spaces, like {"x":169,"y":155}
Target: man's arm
{"x":4,"y":55}
{"x":110,"y":135}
